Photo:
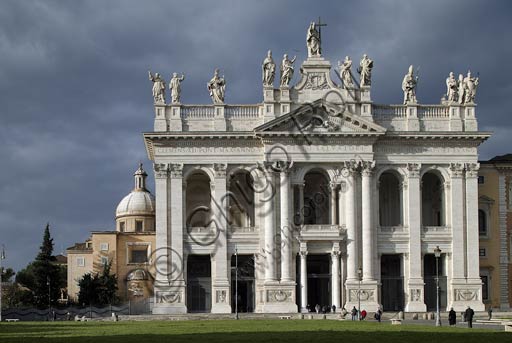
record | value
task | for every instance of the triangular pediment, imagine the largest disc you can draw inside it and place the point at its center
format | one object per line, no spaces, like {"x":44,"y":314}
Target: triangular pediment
{"x":319,"y":117}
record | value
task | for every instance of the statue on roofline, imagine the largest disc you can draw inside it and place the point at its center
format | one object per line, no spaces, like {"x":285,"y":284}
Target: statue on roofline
{"x":175,"y":87}
{"x":452,"y":88}
{"x":158,"y":87}
{"x":286,"y":70}
{"x":409,"y":86}
{"x":217,"y":87}
{"x":268,"y":70}
{"x":313,"y":40}
{"x":346,"y":74}
{"x":365,"y":70}
{"x":470,"y":85}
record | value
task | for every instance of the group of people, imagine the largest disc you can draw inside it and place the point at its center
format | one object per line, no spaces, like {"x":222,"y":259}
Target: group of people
{"x":467,"y":316}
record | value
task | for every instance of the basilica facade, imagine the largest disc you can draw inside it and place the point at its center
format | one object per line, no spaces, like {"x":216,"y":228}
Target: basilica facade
{"x":316,"y":195}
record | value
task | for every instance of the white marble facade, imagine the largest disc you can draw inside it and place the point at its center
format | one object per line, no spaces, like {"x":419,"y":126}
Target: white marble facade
{"x":390,"y":179}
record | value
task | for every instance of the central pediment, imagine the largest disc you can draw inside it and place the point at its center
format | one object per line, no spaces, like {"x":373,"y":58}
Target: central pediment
{"x":319,"y":117}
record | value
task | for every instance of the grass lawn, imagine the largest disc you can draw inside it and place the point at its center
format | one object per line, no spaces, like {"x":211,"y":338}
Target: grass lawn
{"x":268,"y":331}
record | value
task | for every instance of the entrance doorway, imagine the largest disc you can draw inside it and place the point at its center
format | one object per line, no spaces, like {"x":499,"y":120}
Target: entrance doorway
{"x":319,"y":281}
{"x":429,"y":276}
{"x":392,"y":282}
{"x":199,"y":283}
{"x":245,"y":290}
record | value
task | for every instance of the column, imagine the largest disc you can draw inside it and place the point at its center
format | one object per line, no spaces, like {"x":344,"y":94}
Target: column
{"x":177,"y":224}
{"x":352,"y":258}
{"x":270,"y":230}
{"x":474,"y":283}
{"x":335,"y":278}
{"x":368,"y":265}
{"x":286,"y":232}
{"x":473,"y":272}
{"x":415,"y":283}
{"x":341,"y":191}
{"x":162,"y":223}
{"x":221,"y":294}
{"x":303,"y":280}
{"x":332,"y":187}
{"x":170,"y":298}
{"x":457,"y":224}
{"x":301,"y":202}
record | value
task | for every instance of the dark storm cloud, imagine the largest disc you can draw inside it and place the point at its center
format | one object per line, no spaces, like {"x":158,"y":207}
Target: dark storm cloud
{"x":75,"y":95}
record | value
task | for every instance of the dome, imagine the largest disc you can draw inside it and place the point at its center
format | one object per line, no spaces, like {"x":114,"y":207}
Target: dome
{"x":136,"y":203}
{"x":139,"y":201}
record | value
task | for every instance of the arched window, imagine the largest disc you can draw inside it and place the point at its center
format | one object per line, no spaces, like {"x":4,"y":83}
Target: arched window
{"x":241,"y":200}
{"x":316,"y":198}
{"x":390,"y":204}
{"x":198,"y":200}
{"x":432,"y":200}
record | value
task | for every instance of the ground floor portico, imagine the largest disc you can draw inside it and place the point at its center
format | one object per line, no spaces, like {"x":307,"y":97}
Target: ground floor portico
{"x":356,"y":234}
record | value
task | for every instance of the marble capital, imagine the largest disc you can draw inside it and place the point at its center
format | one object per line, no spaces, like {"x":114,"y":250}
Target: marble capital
{"x":176,"y":170}
{"x":161,"y":170}
{"x":456,"y":170}
{"x":472,"y":170}
{"x":414,"y":169}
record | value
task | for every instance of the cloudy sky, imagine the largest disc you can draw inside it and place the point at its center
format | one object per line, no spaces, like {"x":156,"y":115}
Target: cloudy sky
{"x":75,"y":97}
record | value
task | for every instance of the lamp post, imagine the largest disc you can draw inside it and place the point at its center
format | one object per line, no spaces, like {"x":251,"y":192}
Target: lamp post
{"x":359,"y":277}
{"x":2,"y":257}
{"x":48,"y":283}
{"x":236,"y":282}
{"x":437,"y":253}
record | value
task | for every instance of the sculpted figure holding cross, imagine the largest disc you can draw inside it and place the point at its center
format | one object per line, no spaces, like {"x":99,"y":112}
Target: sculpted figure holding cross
{"x":313,"y":40}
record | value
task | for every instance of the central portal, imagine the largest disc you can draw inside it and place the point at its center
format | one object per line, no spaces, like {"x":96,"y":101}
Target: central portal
{"x":319,"y":281}
{"x":199,"y":283}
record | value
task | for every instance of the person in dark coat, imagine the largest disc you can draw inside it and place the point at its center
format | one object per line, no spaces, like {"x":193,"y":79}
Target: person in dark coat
{"x":452,"y":317}
{"x":469,"y":316}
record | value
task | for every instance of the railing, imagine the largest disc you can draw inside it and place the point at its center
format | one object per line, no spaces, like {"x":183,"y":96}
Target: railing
{"x":433,"y":111}
{"x":242,"y":111}
{"x":436,"y":228}
{"x":397,"y":228}
{"x":198,"y":112}
{"x":322,"y":227}
{"x":389,"y":110}
{"x":244,"y":229}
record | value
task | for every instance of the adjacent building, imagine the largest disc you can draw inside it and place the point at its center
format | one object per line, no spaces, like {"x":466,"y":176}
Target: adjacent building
{"x":494,"y":228}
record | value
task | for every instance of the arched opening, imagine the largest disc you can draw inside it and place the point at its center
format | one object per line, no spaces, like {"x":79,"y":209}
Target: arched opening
{"x":198,"y":200}
{"x":316,"y":198}
{"x":390,"y":200}
{"x":432,"y":200}
{"x":241,"y":200}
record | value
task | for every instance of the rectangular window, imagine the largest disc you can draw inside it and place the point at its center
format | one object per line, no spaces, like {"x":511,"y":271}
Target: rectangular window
{"x":481,"y":179}
{"x":121,"y":226}
{"x":104,"y":260}
{"x":138,"y":226}
{"x":485,"y":287}
{"x":482,"y":252}
{"x":104,"y":246}
{"x":80,"y":261}
{"x":138,"y":256}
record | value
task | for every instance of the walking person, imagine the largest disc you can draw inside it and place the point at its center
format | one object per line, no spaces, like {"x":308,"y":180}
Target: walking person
{"x":354,"y":313}
{"x":452,"y":317}
{"x":378,"y":315}
{"x":469,"y":316}
{"x":489,"y":312}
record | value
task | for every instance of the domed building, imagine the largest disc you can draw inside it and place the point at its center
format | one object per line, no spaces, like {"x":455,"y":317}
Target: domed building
{"x":129,"y":248}
{"x":136,"y":212}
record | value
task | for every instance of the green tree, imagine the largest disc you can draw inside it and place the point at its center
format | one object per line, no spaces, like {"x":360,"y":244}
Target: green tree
{"x":98,"y":289}
{"x":7,"y":274}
